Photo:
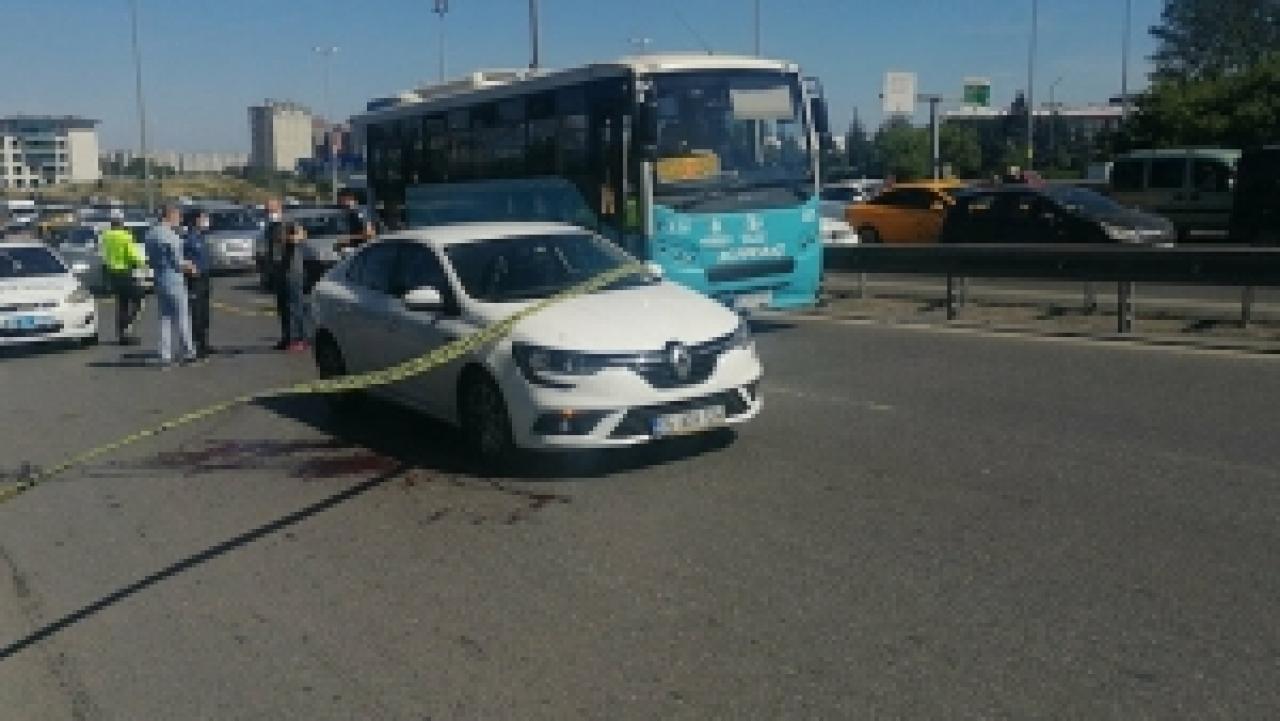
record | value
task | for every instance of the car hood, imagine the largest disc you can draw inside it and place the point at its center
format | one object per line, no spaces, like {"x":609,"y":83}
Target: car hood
{"x":629,"y":319}
{"x":42,"y":289}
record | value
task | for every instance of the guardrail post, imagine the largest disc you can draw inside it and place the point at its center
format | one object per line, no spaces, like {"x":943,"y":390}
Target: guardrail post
{"x":962,"y":294}
{"x":1246,"y":306}
{"x":951,"y":297}
{"x":862,"y":286}
{"x":1090,"y":298}
{"x":1124,"y":307}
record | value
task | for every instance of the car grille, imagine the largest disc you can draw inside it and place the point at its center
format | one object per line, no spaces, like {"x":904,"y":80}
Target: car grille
{"x":638,"y":422}
{"x":26,"y":307}
{"x":659,"y":373}
{"x":746,"y":269}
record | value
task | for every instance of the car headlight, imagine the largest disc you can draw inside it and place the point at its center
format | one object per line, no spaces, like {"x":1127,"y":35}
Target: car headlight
{"x":79,"y":267}
{"x":553,"y":367}
{"x":1121,"y":234}
{"x":79,"y":295}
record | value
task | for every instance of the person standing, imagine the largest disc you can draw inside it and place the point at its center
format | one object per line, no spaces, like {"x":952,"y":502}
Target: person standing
{"x":122,"y":257}
{"x":164,"y":253}
{"x":278,"y":260}
{"x":196,"y":251}
{"x":358,"y":228}
{"x":291,"y":286}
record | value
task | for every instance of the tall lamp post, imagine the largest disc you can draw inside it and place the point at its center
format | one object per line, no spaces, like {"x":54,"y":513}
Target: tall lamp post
{"x":1031,"y":85}
{"x":327,"y":52}
{"x":441,"y":9}
{"x":1053,"y":116}
{"x":535,"y":39}
{"x":756,"y":16}
{"x":142,"y":109}
{"x":1124,"y":60}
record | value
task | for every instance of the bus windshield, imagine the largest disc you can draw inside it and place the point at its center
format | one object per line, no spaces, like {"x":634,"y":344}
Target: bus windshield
{"x":730,"y":141}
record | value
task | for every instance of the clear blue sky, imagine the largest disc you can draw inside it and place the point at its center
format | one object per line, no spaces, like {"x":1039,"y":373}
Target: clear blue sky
{"x":205,"y":62}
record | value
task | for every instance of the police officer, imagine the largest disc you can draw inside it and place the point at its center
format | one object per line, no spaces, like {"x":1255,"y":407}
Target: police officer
{"x":122,"y":257}
{"x":195,"y":250}
{"x":358,"y":228}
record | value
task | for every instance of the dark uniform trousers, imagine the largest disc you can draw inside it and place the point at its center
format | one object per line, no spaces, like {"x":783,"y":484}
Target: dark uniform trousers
{"x":198,"y":301}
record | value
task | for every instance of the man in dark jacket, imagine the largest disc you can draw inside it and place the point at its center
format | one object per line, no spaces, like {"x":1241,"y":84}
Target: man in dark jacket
{"x":195,"y":250}
{"x":279,"y":258}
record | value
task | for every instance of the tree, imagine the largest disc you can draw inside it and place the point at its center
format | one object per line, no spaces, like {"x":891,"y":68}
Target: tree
{"x":903,"y":149}
{"x":961,"y":149}
{"x":1206,"y":39}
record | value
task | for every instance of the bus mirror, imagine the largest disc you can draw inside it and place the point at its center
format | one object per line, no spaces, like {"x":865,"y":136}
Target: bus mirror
{"x":646,"y":129}
{"x":818,"y":111}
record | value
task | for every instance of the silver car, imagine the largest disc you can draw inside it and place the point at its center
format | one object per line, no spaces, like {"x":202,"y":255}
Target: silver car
{"x":233,"y":233}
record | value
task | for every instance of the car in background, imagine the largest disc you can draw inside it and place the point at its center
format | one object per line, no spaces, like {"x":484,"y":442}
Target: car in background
{"x":41,"y":300}
{"x":1190,"y":186}
{"x":638,"y":360}
{"x":232,"y":236}
{"x":80,"y":246}
{"x":835,"y":231}
{"x":324,"y":226}
{"x":1050,"y":214}
{"x":55,"y":217}
{"x":836,"y":197}
{"x":904,"y":213}
{"x":1255,"y":210}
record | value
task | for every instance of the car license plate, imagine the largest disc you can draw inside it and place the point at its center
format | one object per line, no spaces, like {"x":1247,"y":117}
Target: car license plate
{"x":691,"y":421}
{"x":752,"y":301}
{"x":27,"y":322}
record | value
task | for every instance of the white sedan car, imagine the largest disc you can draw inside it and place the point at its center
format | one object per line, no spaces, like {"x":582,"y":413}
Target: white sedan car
{"x":639,"y":360}
{"x":41,"y":300}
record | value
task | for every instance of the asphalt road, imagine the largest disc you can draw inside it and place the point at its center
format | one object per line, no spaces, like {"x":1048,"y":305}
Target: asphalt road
{"x":921,"y":525}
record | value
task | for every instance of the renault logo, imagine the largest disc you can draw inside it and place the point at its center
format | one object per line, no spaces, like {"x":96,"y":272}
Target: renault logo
{"x":680,"y":359}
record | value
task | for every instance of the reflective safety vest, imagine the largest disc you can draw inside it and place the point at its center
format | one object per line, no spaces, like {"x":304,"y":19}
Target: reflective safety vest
{"x":120,"y":252}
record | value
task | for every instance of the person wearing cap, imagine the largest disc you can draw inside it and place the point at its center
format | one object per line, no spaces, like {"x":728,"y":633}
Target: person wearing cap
{"x":122,"y":257}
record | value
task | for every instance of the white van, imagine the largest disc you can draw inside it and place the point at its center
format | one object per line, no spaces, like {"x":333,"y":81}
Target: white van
{"x":1190,"y":186}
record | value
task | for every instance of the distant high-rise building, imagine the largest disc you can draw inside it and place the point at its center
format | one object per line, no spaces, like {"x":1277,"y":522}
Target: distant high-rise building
{"x":40,"y":150}
{"x":280,"y":135}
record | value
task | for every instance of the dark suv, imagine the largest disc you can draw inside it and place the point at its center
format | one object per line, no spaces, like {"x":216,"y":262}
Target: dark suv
{"x":1255,"y":214}
{"x":1053,"y":214}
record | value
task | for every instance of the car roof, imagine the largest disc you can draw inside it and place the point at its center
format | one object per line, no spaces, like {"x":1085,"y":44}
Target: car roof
{"x":461,"y":233}
{"x":8,"y":244}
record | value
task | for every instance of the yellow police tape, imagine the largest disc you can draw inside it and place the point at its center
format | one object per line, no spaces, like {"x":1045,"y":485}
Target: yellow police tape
{"x":394,"y":374}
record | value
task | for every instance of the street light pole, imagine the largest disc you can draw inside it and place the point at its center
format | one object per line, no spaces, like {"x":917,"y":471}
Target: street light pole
{"x":142,"y":109}
{"x":327,"y":52}
{"x":534,"y":32}
{"x":1053,"y":116}
{"x":1124,"y":60}
{"x":1031,"y":85}
{"x":441,"y":8}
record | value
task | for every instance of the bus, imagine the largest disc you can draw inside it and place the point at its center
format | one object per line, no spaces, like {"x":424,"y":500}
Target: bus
{"x":706,"y":165}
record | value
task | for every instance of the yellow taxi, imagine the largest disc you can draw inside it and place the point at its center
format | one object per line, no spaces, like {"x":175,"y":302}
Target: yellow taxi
{"x":904,"y":213}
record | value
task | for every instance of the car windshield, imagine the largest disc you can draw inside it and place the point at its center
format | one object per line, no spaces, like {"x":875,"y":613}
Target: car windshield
{"x":27,"y":262}
{"x":221,"y":220}
{"x":730,"y":140}
{"x":81,"y":236}
{"x":531,"y":267}
{"x":321,"y":225}
{"x":1084,"y":201}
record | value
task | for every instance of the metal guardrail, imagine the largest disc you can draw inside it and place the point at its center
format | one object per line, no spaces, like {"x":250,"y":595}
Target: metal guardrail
{"x":1241,"y":267}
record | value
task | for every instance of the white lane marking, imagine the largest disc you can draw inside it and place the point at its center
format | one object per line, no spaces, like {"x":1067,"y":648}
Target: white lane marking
{"x":1270,"y":353}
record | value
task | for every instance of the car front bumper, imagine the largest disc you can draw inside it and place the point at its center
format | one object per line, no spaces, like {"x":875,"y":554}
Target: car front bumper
{"x":617,"y":408}
{"x":71,"y":322}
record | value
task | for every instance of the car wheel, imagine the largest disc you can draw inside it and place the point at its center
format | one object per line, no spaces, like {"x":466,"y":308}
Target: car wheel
{"x":486,"y":424}
{"x":868,"y":235}
{"x":331,"y":364}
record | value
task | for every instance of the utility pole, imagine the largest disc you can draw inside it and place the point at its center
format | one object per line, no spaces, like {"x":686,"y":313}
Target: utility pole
{"x":1031,"y":85}
{"x":935,"y":132}
{"x":534,"y":32}
{"x":441,"y":8}
{"x":1124,"y":60}
{"x":1053,"y":116}
{"x":142,"y":110}
{"x":757,"y":27}
{"x":331,"y":137}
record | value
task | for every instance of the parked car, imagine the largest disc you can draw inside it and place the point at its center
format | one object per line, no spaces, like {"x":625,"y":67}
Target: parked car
{"x":640,"y":360}
{"x":1052,"y":214}
{"x":80,"y":246}
{"x":904,"y":213}
{"x":41,"y":300}
{"x":233,"y":234}
{"x":324,"y":226}
{"x":1190,"y":186}
{"x":836,"y":232}
{"x":1255,"y":211}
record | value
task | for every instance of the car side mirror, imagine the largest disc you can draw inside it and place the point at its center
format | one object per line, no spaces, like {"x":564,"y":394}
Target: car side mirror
{"x":424,"y":299}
